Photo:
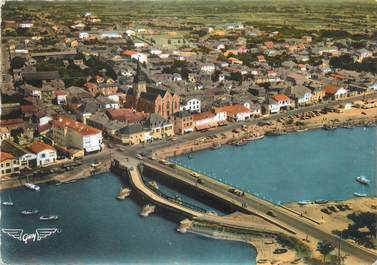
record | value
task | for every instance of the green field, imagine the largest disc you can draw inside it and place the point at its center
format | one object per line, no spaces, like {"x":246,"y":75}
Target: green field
{"x":354,"y":16}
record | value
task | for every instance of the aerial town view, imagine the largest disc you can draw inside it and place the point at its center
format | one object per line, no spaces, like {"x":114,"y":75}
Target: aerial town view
{"x":188,"y":132}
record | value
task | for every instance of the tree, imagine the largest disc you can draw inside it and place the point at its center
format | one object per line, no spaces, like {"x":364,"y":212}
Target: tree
{"x":325,"y":248}
{"x":18,"y":62}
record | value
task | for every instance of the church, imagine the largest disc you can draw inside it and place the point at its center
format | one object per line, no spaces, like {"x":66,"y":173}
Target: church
{"x":149,"y":99}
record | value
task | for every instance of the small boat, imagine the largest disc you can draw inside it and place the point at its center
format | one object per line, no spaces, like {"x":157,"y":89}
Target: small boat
{"x":147,"y":210}
{"x":363,"y":180}
{"x":328,"y":127}
{"x":7,"y":203}
{"x":276,"y":133}
{"x":357,"y":194}
{"x":124,"y":193}
{"x":29,"y":212}
{"x":304,"y":202}
{"x":240,"y":143}
{"x":189,"y":156}
{"x":302,"y":130}
{"x":48,"y":217}
{"x":216,"y":146}
{"x":153,"y":184}
{"x":321,"y":201}
{"x":32,"y":186}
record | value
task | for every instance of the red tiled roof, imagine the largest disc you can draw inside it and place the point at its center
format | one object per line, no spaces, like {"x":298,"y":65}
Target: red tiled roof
{"x":79,"y":127}
{"x":29,"y":108}
{"x":39,"y":146}
{"x":202,"y":116}
{"x":234,"y":109}
{"x":280,"y":97}
{"x":331,"y":89}
{"x":5,"y":156}
{"x":124,"y":114}
{"x":129,"y":53}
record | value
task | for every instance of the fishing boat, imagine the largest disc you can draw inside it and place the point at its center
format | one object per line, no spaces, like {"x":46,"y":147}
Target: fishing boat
{"x":240,"y":143}
{"x":147,"y":210}
{"x":328,"y":127}
{"x":358,"y":194}
{"x":304,"y":202}
{"x":32,"y":186}
{"x":321,"y":201}
{"x":48,"y":217}
{"x":363,"y":180}
{"x":29,"y":212}
{"x":216,"y":146}
{"x":8,"y":202}
{"x":124,"y":193}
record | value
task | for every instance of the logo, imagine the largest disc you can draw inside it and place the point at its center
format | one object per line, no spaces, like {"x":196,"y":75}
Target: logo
{"x":40,"y":233}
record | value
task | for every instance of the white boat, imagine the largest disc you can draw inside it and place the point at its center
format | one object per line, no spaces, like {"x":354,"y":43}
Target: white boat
{"x":29,"y":212}
{"x":48,"y":217}
{"x":32,"y":186}
{"x":7,"y":203}
{"x":363,"y":180}
{"x":357,"y":194}
{"x":304,"y":202}
{"x":147,"y":210}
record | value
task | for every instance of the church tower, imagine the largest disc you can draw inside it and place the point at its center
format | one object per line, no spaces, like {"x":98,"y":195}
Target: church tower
{"x":139,"y":83}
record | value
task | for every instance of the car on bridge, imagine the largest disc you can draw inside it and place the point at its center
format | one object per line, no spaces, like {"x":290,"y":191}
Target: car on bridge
{"x":200,"y":181}
{"x":194,"y":174}
{"x":271,"y":213}
{"x":237,"y":192}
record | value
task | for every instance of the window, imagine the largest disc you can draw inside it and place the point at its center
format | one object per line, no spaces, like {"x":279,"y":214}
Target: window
{"x":43,"y":155}
{"x":8,"y":164}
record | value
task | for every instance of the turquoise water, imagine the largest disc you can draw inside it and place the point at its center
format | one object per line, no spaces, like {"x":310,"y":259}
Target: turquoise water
{"x":312,"y":165}
{"x":98,"y":229}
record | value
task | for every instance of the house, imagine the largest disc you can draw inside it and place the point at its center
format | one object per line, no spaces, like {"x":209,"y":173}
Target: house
{"x":282,"y":100}
{"x":26,"y":158}
{"x":190,"y":104}
{"x":46,"y":154}
{"x":271,"y":106}
{"x":134,"y":55}
{"x":300,"y":94}
{"x":132,"y":134}
{"x":9,"y":164}
{"x":204,"y":120}
{"x":102,"y":122}
{"x":318,"y":91}
{"x":87,"y":108}
{"x":126,"y":115}
{"x":237,"y":112}
{"x":220,"y":115}
{"x":106,"y":103}
{"x":4,"y":134}
{"x":334,"y":92}
{"x":26,"y":25}
{"x":60,"y":97}
{"x":73,"y":134}
{"x":158,"y":127}
{"x":183,"y":122}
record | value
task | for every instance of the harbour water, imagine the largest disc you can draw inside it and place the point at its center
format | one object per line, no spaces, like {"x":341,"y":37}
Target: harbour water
{"x":98,"y":229}
{"x":304,"y":166}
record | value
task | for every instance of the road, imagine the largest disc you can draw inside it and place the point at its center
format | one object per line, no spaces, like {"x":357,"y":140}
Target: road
{"x":253,"y":204}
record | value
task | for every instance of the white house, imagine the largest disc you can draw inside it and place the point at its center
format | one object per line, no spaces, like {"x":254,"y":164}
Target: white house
{"x":220,"y":115}
{"x":111,"y":35}
{"x":83,"y":35}
{"x":26,"y":25}
{"x":74,"y":134}
{"x":208,"y":68}
{"x":204,"y":120}
{"x":192,"y":105}
{"x":237,"y":112}
{"x":155,"y":51}
{"x":282,"y":100}
{"x":45,"y":154}
{"x":273,"y":107}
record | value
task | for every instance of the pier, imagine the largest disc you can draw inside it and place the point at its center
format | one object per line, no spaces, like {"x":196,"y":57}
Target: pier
{"x":284,"y":219}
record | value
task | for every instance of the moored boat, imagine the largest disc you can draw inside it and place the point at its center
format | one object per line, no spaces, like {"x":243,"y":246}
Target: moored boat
{"x":358,"y":194}
{"x":32,"y":186}
{"x":304,"y":202}
{"x":147,"y":210}
{"x":321,"y":201}
{"x":48,"y":217}
{"x":29,"y":212}
{"x":363,"y":180}
{"x":7,"y":203}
